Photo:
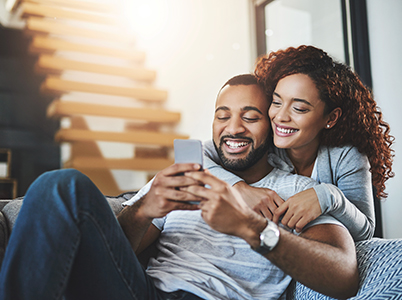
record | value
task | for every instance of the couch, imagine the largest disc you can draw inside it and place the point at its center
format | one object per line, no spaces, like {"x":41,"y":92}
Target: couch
{"x":379,"y":260}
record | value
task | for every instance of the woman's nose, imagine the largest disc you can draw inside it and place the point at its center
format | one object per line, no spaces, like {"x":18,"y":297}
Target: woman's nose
{"x":281,"y":114}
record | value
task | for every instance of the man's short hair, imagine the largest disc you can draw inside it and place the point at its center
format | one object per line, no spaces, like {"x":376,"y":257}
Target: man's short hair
{"x":242,"y":79}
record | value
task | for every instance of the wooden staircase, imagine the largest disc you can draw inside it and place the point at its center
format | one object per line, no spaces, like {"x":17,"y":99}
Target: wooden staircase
{"x":87,"y":55}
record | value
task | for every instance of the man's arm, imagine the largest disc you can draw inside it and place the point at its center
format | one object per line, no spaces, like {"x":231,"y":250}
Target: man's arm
{"x":323,"y":258}
{"x":136,"y":227}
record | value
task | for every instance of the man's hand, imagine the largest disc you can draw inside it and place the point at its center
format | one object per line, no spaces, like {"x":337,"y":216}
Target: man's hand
{"x":163,"y":197}
{"x":299,"y":210}
{"x":166,"y":194}
{"x":224,"y":209}
{"x":261,"y":200}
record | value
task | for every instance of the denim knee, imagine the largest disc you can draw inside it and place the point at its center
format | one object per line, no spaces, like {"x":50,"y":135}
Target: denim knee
{"x":63,"y":176}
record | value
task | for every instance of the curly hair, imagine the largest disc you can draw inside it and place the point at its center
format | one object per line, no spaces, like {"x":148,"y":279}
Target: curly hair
{"x":360,"y":125}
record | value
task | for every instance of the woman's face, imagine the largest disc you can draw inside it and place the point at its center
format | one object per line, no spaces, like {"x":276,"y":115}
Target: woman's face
{"x":297,"y":113}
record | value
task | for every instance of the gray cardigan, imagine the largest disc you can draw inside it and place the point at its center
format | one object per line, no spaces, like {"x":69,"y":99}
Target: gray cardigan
{"x":345,"y":189}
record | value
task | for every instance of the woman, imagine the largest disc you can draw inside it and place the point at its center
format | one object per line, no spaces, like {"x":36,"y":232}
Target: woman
{"x":326,"y":125}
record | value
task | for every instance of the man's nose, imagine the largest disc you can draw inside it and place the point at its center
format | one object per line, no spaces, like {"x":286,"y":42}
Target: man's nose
{"x":235,"y":126}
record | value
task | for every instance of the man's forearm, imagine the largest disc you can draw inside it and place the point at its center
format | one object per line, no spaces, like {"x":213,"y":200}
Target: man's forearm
{"x":329,"y":267}
{"x":133,"y":225}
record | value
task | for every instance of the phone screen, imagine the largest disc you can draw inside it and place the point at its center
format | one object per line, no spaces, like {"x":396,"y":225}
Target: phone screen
{"x":188,"y":151}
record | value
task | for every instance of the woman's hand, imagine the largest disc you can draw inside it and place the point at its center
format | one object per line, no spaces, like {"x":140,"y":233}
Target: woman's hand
{"x":261,"y":200}
{"x":299,"y":210}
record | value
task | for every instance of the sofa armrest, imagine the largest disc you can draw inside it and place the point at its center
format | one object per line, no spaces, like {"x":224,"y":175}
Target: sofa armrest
{"x":380,"y":268}
{"x":4,"y":202}
{"x":4,"y":232}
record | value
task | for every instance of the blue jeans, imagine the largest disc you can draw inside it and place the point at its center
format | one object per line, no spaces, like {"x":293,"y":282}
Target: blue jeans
{"x":67,"y":242}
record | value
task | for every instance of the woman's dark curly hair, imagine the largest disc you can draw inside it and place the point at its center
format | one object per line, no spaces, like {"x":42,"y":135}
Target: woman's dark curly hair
{"x":360,"y":125}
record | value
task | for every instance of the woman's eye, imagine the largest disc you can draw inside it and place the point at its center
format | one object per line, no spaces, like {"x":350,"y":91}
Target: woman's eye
{"x":276,"y":103}
{"x":300,"y":110}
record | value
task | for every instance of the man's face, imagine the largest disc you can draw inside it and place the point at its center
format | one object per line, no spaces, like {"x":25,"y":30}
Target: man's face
{"x":241,"y":126}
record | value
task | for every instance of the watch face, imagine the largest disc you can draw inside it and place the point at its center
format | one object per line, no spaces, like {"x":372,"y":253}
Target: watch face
{"x":271,"y":237}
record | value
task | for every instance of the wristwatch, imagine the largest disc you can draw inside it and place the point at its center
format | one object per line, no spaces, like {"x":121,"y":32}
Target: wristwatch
{"x":269,"y":238}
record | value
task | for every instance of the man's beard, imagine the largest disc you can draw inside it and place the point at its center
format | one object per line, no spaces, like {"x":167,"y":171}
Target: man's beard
{"x":242,"y":164}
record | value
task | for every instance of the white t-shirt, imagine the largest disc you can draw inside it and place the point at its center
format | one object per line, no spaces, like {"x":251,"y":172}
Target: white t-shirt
{"x":195,"y":258}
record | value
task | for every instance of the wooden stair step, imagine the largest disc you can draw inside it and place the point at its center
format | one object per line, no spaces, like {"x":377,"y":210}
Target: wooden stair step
{"x":60,"y":108}
{"x":135,"y":164}
{"x":133,"y":137}
{"x":55,"y":84}
{"x":47,"y":44}
{"x":46,"y":26}
{"x":61,"y":64}
{"x":83,"y":5}
{"x":35,"y":9}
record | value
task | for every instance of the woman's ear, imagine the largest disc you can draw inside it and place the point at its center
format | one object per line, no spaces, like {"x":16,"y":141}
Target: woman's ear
{"x":333,"y":117}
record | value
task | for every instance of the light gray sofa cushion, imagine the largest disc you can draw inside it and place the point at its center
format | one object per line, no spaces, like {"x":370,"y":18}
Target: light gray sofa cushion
{"x":380,"y":268}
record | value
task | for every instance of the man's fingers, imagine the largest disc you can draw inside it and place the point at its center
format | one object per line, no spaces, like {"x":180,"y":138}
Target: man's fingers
{"x":198,"y":191}
{"x":176,"y":169}
{"x":175,"y":181}
{"x":207,"y":179}
{"x":180,"y":195}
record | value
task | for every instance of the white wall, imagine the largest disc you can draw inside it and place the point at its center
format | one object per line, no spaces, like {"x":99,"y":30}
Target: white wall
{"x":385,"y":24}
{"x":197,"y":46}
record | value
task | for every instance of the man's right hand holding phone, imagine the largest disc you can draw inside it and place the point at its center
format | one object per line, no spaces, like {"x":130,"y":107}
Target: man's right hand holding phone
{"x":165,"y":194}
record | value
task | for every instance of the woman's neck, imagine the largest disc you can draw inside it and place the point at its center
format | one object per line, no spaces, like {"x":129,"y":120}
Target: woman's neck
{"x":303,"y":160}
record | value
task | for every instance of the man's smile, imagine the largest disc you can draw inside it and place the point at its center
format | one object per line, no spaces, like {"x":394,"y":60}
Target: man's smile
{"x":235,"y":146}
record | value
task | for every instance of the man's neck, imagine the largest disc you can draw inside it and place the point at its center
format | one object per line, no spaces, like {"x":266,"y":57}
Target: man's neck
{"x":255,"y":173}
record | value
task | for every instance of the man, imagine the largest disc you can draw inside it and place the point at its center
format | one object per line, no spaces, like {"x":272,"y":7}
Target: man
{"x":77,"y":247}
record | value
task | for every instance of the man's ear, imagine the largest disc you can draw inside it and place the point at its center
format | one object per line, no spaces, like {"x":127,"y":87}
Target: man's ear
{"x":333,"y":117}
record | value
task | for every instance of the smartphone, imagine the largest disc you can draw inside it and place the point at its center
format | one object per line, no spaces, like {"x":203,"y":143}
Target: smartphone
{"x":189,"y":151}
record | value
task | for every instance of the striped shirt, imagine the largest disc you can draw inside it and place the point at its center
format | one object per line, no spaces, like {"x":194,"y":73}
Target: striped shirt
{"x":195,"y":258}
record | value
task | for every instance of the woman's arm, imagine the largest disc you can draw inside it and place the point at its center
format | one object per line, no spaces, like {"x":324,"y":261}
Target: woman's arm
{"x":350,"y":194}
{"x":345,"y":192}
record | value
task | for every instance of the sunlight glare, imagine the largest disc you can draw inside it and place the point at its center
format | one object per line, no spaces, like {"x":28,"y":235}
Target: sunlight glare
{"x":146,"y":18}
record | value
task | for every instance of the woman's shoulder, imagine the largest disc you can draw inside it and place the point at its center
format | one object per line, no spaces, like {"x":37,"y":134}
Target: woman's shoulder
{"x":342,"y":155}
{"x":340,"y":151}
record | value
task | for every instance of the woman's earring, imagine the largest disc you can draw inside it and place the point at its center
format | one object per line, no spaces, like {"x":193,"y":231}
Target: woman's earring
{"x":328,"y":125}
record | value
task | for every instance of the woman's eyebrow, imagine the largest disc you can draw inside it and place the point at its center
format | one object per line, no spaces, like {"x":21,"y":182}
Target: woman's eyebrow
{"x":277,"y":95}
{"x":294,"y":99}
{"x":302,"y":100}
